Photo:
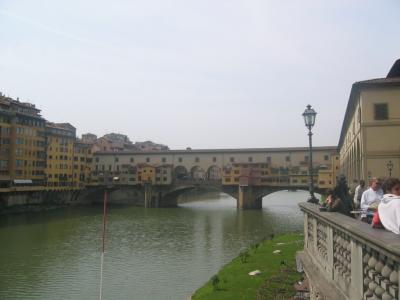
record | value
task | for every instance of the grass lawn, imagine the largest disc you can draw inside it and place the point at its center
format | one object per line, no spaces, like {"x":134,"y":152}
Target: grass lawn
{"x":278,"y":273}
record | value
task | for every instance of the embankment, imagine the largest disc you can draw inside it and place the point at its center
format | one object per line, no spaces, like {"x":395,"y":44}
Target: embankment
{"x":278,"y":272}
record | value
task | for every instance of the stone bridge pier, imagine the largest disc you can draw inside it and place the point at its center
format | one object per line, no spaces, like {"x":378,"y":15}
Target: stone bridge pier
{"x":246,"y":197}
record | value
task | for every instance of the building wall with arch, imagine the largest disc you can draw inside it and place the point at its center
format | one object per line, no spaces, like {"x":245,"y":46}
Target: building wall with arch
{"x":370,"y":136}
{"x":210,"y":164}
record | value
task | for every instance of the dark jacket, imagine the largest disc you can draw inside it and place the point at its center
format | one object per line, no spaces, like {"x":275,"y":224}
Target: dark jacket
{"x":337,"y":206}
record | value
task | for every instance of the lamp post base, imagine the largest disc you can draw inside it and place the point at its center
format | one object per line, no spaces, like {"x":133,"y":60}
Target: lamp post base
{"x":313,"y":199}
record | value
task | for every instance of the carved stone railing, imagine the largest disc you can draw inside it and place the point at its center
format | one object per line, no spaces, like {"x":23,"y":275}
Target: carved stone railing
{"x":347,"y":259}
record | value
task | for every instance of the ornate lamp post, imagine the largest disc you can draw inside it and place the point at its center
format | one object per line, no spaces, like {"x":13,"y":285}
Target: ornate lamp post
{"x":309,"y":120}
{"x":389,"y":165}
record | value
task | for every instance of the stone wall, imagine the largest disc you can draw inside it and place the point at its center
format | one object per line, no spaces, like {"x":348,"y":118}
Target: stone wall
{"x":38,"y":198}
{"x":347,"y":259}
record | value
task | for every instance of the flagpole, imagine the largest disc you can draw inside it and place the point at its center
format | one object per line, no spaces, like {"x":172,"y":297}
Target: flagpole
{"x":103,"y":240}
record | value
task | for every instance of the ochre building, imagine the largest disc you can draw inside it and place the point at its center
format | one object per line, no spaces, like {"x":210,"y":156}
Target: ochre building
{"x":369,"y":142}
{"x":83,"y":159}
{"x":60,"y":140}
{"x":22,"y":144}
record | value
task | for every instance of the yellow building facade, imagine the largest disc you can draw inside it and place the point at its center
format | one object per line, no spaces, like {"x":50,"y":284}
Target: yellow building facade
{"x":60,"y":141}
{"x":369,"y":143}
{"x":22,"y":144}
{"x":146,"y":174}
{"x":82,"y":163}
{"x":327,"y":176}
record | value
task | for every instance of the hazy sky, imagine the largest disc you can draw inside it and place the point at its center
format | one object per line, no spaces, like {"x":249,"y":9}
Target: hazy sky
{"x":204,"y":74}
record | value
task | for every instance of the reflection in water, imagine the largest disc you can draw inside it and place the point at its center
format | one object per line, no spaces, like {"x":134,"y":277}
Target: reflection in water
{"x":150,"y":254}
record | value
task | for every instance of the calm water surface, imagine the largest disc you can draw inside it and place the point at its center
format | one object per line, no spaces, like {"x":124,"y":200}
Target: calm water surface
{"x":151,"y":253}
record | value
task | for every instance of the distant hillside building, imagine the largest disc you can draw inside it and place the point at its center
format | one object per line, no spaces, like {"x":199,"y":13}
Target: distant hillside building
{"x":118,"y":137}
{"x":117,"y":142}
{"x":150,"y":146}
{"x":89,"y":138}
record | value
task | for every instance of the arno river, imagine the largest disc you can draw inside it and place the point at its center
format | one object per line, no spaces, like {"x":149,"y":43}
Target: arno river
{"x":151,"y":253}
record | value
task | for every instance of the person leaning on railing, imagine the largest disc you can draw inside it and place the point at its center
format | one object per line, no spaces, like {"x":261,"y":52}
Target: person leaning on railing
{"x":371,"y":198}
{"x":334,"y":203}
{"x":338,"y":199}
{"x":358,"y":193}
{"x":389,"y":208}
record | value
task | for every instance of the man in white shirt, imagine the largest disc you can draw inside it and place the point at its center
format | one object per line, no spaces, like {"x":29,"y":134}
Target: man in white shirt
{"x":373,"y":194}
{"x":358,"y":193}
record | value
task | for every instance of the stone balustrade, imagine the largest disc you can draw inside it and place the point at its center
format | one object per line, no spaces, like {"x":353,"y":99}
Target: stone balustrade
{"x":347,"y":259}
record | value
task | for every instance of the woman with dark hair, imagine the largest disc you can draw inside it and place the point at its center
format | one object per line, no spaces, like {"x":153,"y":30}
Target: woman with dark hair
{"x":341,"y":199}
{"x":389,"y":208}
{"x":334,"y":202}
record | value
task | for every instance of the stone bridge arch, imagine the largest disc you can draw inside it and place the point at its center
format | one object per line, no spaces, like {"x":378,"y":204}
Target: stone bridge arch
{"x":197,"y":173}
{"x":214,"y":173}
{"x":180,"y":172}
{"x":247,"y":197}
{"x":169,"y":197}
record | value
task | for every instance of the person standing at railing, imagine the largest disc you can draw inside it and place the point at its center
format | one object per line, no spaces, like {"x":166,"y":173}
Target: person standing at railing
{"x":389,"y":208}
{"x":334,"y":203}
{"x":371,"y":197}
{"x":338,"y":200}
{"x":358,"y":193}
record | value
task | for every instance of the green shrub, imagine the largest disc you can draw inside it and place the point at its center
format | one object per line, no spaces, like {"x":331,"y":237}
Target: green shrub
{"x":215,"y":282}
{"x":244,"y":256}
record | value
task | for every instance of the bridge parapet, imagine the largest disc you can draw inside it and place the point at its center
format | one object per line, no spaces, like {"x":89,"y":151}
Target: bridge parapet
{"x":197,"y":182}
{"x":347,"y":259}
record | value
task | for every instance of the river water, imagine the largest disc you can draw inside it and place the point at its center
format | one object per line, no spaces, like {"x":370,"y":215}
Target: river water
{"x":150,"y":253}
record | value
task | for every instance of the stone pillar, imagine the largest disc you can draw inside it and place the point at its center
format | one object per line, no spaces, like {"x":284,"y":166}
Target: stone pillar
{"x":305,"y":230}
{"x":148,"y":194}
{"x":329,"y":242}
{"x":315,"y":236}
{"x":246,"y":198}
{"x":356,"y":291}
{"x":240,"y":199}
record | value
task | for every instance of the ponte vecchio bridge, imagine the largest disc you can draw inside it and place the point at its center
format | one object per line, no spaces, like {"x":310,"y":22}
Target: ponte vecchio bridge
{"x":157,"y":178}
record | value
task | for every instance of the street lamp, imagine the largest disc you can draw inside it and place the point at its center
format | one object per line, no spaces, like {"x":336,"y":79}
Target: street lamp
{"x":309,"y":120}
{"x":389,"y":165}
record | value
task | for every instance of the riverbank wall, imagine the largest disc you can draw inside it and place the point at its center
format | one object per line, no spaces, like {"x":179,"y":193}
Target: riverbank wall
{"x":17,"y":202}
{"x":26,"y":201}
{"x":37,"y":198}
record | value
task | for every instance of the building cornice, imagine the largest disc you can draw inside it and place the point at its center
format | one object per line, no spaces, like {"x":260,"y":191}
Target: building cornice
{"x":356,"y":89}
{"x":220,"y":151}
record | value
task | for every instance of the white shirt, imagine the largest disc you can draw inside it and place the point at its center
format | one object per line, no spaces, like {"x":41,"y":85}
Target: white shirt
{"x":370,"y":196}
{"x":389,"y":213}
{"x":357,"y":195}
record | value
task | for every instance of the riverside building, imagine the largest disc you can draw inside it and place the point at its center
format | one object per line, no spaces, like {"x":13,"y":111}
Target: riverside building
{"x":22,"y":144}
{"x":83,"y":158}
{"x":369,"y":142}
{"x":60,"y":140}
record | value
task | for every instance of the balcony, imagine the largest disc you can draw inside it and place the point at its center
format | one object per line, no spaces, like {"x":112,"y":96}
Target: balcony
{"x":347,"y":259}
